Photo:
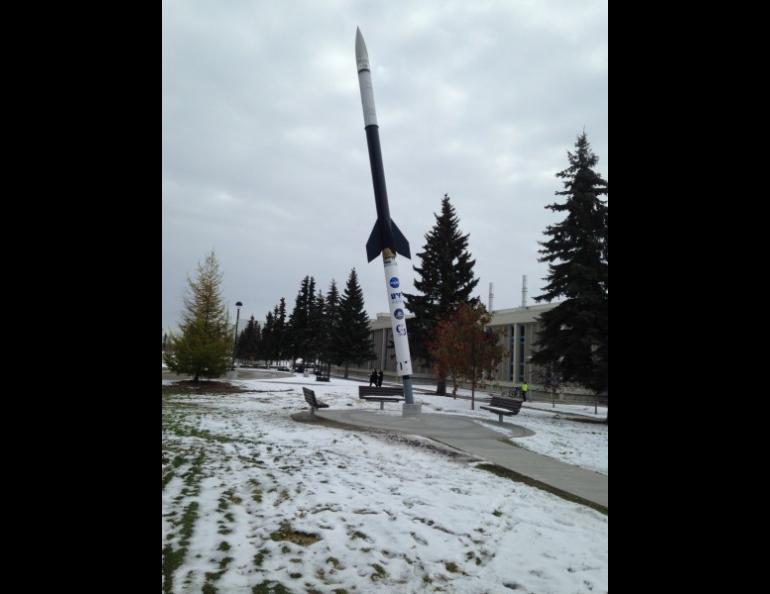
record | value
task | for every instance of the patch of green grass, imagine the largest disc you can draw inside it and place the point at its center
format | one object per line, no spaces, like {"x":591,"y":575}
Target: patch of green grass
{"x":497,"y":513}
{"x":173,"y":558}
{"x":379,"y":572}
{"x":520,"y":478}
{"x":256,"y":491}
{"x":167,"y":478}
{"x":193,"y":476}
{"x":260,"y":557}
{"x":270,"y":587}
{"x":286,"y":532}
{"x":282,"y":496}
{"x":295,"y":576}
{"x":224,"y":546}
{"x":213,"y":576}
{"x":224,"y":502}
{"x":335,"y":562}
{"x":452,"y":567}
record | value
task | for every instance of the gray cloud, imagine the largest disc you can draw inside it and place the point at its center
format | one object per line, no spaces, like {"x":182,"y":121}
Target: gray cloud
{"x":264,"y":153}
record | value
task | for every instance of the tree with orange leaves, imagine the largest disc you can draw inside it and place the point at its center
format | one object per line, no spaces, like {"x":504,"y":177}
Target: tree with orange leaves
{"x":463,"y":348}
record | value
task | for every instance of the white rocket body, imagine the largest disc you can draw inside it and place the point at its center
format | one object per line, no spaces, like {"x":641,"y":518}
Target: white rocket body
{"x":397,"y":317}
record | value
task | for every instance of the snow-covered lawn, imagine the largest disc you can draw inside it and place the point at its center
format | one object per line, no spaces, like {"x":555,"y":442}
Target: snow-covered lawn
{"x":252,"y":497}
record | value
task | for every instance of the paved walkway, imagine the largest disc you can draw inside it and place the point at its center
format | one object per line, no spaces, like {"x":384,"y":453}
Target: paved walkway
{"x":468,"y":435}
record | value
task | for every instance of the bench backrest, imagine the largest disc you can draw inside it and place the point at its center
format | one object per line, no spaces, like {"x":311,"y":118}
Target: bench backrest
{"x":502,"y":402}
{"x":310,"y":397}
{"x":372,"y":391}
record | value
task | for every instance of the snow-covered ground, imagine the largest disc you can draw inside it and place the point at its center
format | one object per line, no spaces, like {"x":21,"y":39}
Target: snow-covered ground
{"x":573,"y":442}
{"x":251,"y":496}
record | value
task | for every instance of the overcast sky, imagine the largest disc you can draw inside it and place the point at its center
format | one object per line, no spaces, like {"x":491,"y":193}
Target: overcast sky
{"x":264,"y":150}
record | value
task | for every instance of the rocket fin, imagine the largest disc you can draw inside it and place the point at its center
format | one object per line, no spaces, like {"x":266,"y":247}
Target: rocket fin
{"x":374,"y":244}
{"x":401,"y":244}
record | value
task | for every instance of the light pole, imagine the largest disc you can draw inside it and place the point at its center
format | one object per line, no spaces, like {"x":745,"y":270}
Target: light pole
{"x":238,"y":306}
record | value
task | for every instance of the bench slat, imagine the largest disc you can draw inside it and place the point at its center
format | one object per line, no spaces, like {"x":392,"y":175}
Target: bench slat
{"x":504,"y":411}
{"x":389,"y":391}
{"x":311,"y":399}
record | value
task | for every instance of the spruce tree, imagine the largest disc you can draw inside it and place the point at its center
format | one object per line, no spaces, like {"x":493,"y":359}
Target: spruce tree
{"x":573,"y":336}
{"x":297,"y":326}
{"x":248,"y":341}
{"x":446,"y":282}
{"x":352,"y":339}
{"x":315,"y":324}
{"x":331,"y":325}
{"x":281,"y":336}
{"x":205,"y":345}
{"x":267,"y":345}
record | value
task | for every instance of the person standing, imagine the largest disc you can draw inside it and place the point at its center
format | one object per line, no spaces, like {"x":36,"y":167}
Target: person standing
{"x":379,"y":379}
{"x":524,"y":390}
{"x":373,"y":377}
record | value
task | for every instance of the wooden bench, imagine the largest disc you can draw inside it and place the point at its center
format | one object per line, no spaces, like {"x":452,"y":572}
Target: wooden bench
{"x":503,"y":406}
{"x":311,"y":400}
{"x":381,"y":395}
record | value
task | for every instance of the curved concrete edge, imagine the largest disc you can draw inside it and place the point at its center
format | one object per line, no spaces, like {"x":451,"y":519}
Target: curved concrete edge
{"x":522,"y":478}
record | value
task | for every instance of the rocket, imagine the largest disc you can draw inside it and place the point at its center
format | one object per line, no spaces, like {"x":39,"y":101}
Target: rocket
{"x":386,"y":238}
{"x":385,"y":233}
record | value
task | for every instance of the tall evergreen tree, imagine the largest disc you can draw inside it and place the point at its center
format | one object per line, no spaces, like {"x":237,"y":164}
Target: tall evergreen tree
{"x":352,"y":339}
{"x":205,"y":345}
{"x":248,"y":341}
{"x":298,"y":331}
{"x":267,"y":345}
{"x":281,"y":345}
{"x":331,"y":325}
{"x":573,"y":337}
{"x":446,"y":282}
{"x":316,"y":326}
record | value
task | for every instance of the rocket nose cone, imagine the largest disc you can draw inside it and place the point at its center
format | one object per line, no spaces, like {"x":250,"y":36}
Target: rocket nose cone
{"x":362,"y":56}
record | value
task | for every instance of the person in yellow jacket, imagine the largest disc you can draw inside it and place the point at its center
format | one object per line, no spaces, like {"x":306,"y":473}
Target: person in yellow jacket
{"x":524,"y":389}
